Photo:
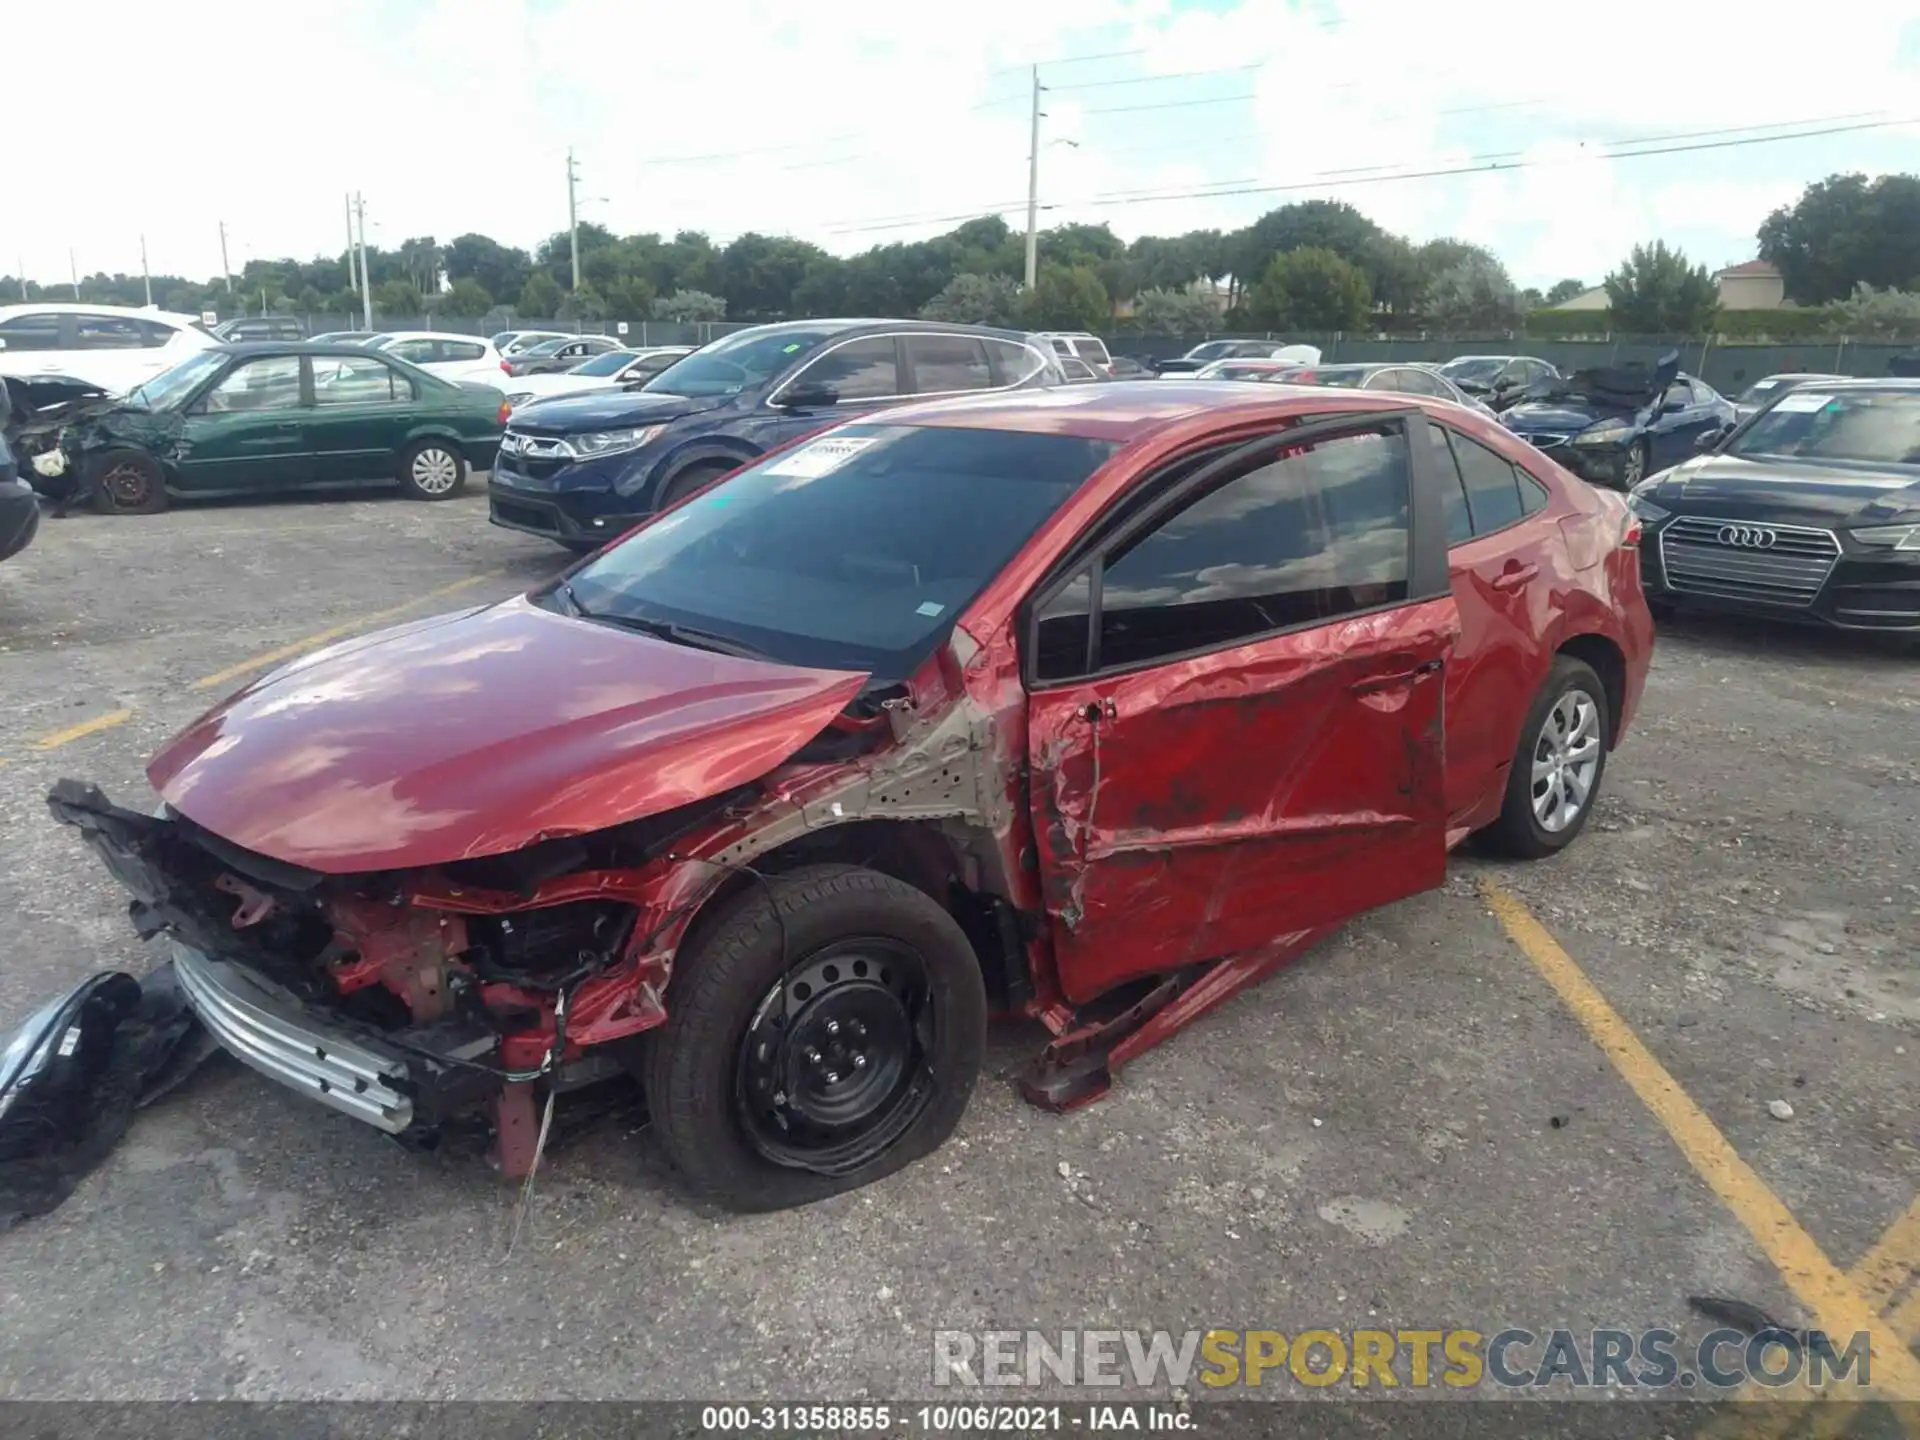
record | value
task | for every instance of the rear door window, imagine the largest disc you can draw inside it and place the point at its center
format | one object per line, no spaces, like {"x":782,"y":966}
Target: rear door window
{"x":107,"y":332}
{"x":459,"y":350}
{"x":1092,"y":350}
{"x":1016,"y":363}
{"x":1493,"y":485}
{"x":359,"y":380}
{"x":943,"y":363}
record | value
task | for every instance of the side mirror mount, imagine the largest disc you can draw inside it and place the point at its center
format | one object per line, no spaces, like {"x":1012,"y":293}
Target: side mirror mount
{"x":809,"y":395}
{"x":1709,"y":440}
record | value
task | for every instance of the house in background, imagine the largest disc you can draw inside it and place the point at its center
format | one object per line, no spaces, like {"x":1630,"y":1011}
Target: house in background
{"x":1590,"y":299}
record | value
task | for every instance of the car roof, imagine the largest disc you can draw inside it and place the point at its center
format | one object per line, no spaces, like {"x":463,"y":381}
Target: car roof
{"x":838,"y":326}
{"x":294,"y":347}
{"x":80,"y":307}
{"x":432,"y":335}
{"x":1870,"y":382}
{"x":1125,"y":410}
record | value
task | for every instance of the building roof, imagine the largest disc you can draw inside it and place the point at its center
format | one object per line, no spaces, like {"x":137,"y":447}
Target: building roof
{"x":1758,"y":269}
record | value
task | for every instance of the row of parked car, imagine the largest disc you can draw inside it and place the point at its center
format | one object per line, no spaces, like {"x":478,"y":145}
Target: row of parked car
{"x":584,"y":437}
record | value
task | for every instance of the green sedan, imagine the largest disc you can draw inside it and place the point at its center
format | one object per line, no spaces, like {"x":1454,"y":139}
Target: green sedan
{"x":271,"y":417}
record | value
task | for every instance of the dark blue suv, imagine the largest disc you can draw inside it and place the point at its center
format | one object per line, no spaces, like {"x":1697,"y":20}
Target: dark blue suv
{"x":580,"y":469}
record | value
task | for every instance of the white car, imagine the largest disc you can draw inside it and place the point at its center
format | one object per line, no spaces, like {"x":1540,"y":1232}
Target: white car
{"x":451,"y":357}
{"x":615,"y":370}
{"x":1079,"y":345}
{"x":512,"y":342}
{"x":112,"y":346}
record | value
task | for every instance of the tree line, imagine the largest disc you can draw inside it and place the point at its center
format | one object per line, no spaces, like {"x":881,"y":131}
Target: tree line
{"x":1315,"y":265}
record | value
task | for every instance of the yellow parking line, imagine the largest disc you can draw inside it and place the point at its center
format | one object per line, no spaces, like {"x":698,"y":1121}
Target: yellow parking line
{"x":1832,"y":1299}
{"x":1885,"y":1270}
{"x":346,"y":627}
{"x":83,"y":729}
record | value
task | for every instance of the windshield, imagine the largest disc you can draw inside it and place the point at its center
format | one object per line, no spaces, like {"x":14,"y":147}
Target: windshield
{"x":730,"y":365}
{"x":1872,"y":427}
{"x":854,"y":551}
{"x":1473,"y":367}
{"x":611,"y":363}
{"x":170,"y":387}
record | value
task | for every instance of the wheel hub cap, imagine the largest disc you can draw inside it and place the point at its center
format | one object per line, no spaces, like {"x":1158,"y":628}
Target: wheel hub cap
{"x":435,"y":471}
{"x":1566,"y":761}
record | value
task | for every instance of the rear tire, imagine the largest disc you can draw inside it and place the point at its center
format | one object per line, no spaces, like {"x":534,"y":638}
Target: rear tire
{"x":757,"y":1103}
{"x":433,"y":469}
{"x":125,"y":481}
{"x":1557,"y":768}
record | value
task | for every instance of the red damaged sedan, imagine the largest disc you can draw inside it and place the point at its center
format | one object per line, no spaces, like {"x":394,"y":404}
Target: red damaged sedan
{"x":1095,"y":705}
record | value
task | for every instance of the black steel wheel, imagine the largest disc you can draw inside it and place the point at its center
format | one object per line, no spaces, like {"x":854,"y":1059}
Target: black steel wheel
{"x":835,"y":1063}
{"x":824,"y":1029}
{"x":128,"y":482}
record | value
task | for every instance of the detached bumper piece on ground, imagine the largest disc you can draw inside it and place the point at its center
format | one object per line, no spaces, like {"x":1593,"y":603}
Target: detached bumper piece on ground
{"x":74,"y":1073}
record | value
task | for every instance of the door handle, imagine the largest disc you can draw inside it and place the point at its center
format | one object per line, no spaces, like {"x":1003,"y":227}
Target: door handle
{"x":1514,"y":577}
{"x":1373,"y":684}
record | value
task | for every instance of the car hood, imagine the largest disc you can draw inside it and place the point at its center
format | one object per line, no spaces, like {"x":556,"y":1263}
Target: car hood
{"x":1561,"y":416}
{"x":481,"y":732}
{"x":1786,"y":491}
{"x":544,"y":387}
{"x":1598,"y":392}
{"x":595,"y":410}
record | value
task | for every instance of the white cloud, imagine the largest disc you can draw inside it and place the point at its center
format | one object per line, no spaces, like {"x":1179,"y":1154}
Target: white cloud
{"x":455,"y":115}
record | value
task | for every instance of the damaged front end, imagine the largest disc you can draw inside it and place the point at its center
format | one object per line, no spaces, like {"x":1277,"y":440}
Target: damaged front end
{"x":405,"y":999}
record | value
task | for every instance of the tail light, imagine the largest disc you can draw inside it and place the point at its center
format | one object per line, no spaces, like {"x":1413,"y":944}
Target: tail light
{"x":506,"y":408}
{"x":504,"y":365}
{"x":1633,"y":531}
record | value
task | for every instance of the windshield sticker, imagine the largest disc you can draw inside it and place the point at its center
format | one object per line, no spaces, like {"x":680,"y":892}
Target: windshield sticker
{"x":1798,"y":402}
{"x":929,"y":609}
{"x":810,"y":462}
{"x":791,"y":348}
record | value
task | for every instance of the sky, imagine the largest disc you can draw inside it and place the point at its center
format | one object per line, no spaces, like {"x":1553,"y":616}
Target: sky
{"x":857,"y":122}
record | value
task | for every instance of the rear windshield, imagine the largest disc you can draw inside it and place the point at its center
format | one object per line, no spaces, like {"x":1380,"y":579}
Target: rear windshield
{"x":854,"y":551}
{"x":1872,"y":427}
{"x":1474,"y":367}
{"x":1346,"y":379}
{"x":611,"y":363}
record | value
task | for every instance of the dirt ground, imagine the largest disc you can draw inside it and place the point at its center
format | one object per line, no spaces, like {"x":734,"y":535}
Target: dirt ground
{"x":1411,"y":1126}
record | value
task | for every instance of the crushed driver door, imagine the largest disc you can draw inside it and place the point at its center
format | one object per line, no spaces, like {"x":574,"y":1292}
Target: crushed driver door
{"x":1235,"y":725}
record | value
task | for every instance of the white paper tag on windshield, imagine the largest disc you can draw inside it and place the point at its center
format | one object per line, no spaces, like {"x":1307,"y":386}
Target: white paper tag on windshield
{"x":812,"y":461}
{"x":1800,"y":402}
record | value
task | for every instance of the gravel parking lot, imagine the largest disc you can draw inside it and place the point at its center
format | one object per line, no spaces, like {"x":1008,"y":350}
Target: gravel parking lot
{"x":1413,"y":1126}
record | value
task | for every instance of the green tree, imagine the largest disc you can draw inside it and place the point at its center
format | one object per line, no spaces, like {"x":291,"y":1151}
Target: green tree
{"x":1473,"y":293}
{"x":759,"y":273}
{"x":467,"y":298}
{"x":397,"y":298}
{"x":1846,"y":230}
{"x":540,"y":297}
{"x":1656,"y":292}
{"x":1879,"y":314}
{"x":1066,"y":297}
{"x":585,"y":303}
{"x":1174,"y":312}
{"x":975,"y":300}
{"x":689,"y":305}
{"x":498,"y":269}
{"x":1565,"y":290}
{"x":1312,"y":289}
{"x":1312,"y":224}
{"x":420,"y":258}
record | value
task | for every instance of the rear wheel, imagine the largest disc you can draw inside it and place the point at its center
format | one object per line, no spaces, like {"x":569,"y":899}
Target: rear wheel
{"x":1556,"y":771}
{"x":824,"y":1030}
{"x":433,"y":470}
{"x":128,"y":482}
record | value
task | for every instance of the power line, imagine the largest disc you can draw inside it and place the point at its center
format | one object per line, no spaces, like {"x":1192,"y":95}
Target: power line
{"x":1331,"y":180}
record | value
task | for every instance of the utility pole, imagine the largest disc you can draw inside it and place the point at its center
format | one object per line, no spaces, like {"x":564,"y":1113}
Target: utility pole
{"x":573,"y":217}
{"x":73,"y":270}
{"x":366,"y":284}
{"x":145,"y":278}
{"x":23,"y":276}
{"x":225,"y":268}
{"x":1033,"y":187}
{"x":353,"y":266}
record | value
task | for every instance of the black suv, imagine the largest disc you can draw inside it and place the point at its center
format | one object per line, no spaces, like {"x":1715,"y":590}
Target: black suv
{"x":580,"y":469}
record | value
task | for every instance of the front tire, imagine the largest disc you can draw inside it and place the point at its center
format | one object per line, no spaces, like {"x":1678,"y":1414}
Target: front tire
{"x":824,"y":1029}
{"x":694,"y":477}
{"x":1558,"y":765}
{"x":433,"y":470}
{"x":128,"y":482}
{"x":1635,"y":469}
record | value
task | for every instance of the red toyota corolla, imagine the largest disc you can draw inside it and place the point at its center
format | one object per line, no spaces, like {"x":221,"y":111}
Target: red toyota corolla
{"x":1095,"y":704}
